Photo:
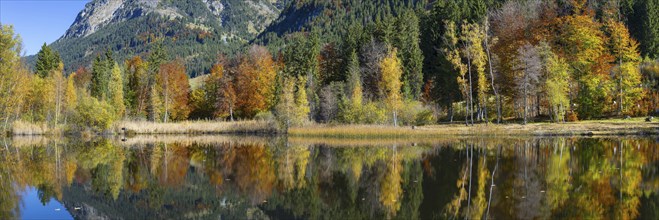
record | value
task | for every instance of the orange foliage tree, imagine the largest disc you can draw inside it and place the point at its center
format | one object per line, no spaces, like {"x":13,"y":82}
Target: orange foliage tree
{"x":174,"y":90}
{"x":255,"y":82}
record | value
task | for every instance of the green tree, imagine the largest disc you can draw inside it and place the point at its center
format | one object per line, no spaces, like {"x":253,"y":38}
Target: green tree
{"x":301,"y":59}
{"x":406,"y":40}
{"x":101,"y":73}
{"x":47,"y":61}
{"x":157,"y":57}
{"x":351,"y":109}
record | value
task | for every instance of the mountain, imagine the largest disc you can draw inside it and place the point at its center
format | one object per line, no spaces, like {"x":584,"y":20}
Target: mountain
{"x":197,"y":30}
{"x":193,"y":30}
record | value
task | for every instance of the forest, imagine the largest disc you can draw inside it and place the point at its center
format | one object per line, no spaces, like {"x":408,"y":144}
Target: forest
{"x":457,"y":61}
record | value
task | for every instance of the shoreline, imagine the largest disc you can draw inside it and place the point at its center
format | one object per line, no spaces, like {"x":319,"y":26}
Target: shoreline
{"x":574,"y":129}
{"x":614,"y":127}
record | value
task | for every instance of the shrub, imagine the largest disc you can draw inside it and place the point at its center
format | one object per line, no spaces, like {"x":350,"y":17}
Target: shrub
{"x":349,"y":113}
{"x":94,"y":114}
{"x":572,"y":116}
{"x":425,"y":117}
{"x":264,"y":116}
{"x":415,"y":113}
{"x":373,"y":114}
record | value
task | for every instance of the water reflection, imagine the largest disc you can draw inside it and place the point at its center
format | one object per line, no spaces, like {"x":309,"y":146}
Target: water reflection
{"x":256,"y":177}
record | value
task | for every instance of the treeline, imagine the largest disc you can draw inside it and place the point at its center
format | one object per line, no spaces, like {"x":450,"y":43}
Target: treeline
{"x":527,"y":60}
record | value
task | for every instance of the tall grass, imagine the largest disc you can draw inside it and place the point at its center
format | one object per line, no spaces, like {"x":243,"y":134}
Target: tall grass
{"x":492,"y":130}
{"x":197,"y":127}
{"x":28,"y":128}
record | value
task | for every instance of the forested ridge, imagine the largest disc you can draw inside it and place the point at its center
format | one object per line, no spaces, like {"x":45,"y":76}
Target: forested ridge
{"x":360,"y":62}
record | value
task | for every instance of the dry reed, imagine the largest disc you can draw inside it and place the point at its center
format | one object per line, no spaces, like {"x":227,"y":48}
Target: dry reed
{"x":28,"y":128}
{"x":491,"y":130}
{"x":197,"y":127}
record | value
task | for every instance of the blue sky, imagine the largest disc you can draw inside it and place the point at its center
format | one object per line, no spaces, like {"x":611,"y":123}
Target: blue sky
{"x":39,"y":21}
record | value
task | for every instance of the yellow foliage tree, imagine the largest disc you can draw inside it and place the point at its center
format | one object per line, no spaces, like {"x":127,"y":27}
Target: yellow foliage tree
{"x":628,"y":74}
{"x":70,"y":96}
{"x":390,"y":83}
{"x":13,"y":78}
{"x":116,"y":88}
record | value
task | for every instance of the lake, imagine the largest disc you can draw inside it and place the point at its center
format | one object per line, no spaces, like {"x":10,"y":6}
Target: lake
{"x":249,"y":177}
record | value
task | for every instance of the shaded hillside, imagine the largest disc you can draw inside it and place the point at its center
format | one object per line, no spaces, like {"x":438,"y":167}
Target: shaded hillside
{"x":195,"y":30}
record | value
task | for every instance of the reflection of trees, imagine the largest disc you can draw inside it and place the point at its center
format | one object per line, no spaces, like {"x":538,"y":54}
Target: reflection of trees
{"x":630,"y":178}
{"x":292,"y":165}
{"x":594,"y":194}
{"x":9,"y":191}
{"x":233,"y":179}
{"x":390,"y":185}
{"x":479,"y":203}
{"x":527,"y":184}
{"x":558,"y":175}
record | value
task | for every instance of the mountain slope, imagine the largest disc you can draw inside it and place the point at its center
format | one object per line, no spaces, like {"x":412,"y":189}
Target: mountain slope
{"x":331,"y":18}
{"x":194,"y":30}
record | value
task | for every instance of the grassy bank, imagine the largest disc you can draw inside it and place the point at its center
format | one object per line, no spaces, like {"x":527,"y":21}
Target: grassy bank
{"x":602,"y":127}
{"x":196,"y":127}
{"x":609,"y":127}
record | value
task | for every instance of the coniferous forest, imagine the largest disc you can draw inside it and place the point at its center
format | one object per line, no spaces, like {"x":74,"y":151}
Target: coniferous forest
{"x":394,"y":62}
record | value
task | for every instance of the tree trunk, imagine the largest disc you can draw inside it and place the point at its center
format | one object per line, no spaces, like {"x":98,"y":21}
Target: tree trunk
{"x":395,"y":119}
{"x":450,"y":112}
{"x":525,"y":104}
{"x":471,"y":104}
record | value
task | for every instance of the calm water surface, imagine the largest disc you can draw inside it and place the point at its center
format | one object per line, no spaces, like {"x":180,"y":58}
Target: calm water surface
{"x":278,"y":178}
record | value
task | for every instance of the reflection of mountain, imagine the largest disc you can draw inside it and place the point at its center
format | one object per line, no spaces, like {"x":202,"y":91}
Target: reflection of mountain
{"x":197,"y":199}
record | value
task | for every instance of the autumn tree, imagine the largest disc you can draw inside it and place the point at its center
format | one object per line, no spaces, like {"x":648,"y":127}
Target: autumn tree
{"x":556,"y":85}
{"x":57,"y":78}
{"x":284,"y":110}
{"x":302,"y":108}
{"x":453,"y":56}
{"x":488,"y":41}
{"x":530,"y":67}
{"x":585,"y":48}
{"x":255,"y":83}
{"x":174,"y":90}
{"x":116,"y":89}
{"x":70,"y":96}
{"x":137,"y":86}
{"x":472,"y":38}
{"x":391,"y":84}
{"x":627,"y":74}
{"x":221,"y":92}
{"x":13,"y":77}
